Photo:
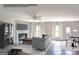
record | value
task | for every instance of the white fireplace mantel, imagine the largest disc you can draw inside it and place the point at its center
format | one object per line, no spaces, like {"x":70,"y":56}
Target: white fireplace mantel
{"x":20,"y":32}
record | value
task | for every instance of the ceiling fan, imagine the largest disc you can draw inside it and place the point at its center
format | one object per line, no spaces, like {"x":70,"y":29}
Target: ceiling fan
{"x":35,"y":17}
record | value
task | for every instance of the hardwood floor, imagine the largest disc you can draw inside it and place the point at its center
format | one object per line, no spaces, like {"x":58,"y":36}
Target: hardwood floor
{"x":59,"y":48}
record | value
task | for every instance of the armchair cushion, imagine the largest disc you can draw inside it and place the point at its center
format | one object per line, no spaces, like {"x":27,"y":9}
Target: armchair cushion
{"x":40,"y":43}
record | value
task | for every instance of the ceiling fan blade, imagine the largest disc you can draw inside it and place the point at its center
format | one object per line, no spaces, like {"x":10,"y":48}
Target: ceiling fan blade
{"x":31,"y":15}
{"x":35,"y":17}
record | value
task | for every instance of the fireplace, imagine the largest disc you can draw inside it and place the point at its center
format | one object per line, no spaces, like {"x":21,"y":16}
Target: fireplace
{"x":22,"y":36}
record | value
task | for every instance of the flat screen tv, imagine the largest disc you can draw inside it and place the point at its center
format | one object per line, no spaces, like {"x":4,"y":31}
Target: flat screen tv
{"x":21,"y":26}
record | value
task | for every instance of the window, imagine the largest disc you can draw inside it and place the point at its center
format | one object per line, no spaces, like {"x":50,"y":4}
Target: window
{"x":38,"y":31}
{"x":56,"y":31}
{"x":68,"y":30}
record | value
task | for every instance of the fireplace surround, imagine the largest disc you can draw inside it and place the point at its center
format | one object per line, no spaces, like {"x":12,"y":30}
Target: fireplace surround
{"x":22,"y":36}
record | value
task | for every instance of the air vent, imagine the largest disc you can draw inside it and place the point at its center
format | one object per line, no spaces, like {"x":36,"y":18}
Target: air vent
{"x":18,"y":5}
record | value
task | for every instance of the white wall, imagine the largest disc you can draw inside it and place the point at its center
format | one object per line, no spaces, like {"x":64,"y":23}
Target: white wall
{"x":46,"y":27}
{"x":72,"y":25}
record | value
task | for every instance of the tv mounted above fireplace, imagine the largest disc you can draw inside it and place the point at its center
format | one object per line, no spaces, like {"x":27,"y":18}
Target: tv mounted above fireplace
{"x":21,"y":26}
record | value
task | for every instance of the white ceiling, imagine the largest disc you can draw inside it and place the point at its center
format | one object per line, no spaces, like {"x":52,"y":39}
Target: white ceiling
{"x":48,"y":12}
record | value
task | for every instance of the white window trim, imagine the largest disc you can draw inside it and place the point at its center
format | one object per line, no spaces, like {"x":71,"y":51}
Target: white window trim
{"x":38,"y":30}
{"x":57,"y":31}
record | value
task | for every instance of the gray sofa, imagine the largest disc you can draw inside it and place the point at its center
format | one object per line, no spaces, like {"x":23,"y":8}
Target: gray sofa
{"x":40,"y":43}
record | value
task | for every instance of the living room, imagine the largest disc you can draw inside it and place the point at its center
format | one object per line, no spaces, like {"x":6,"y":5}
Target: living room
{"x":38,"y":29}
